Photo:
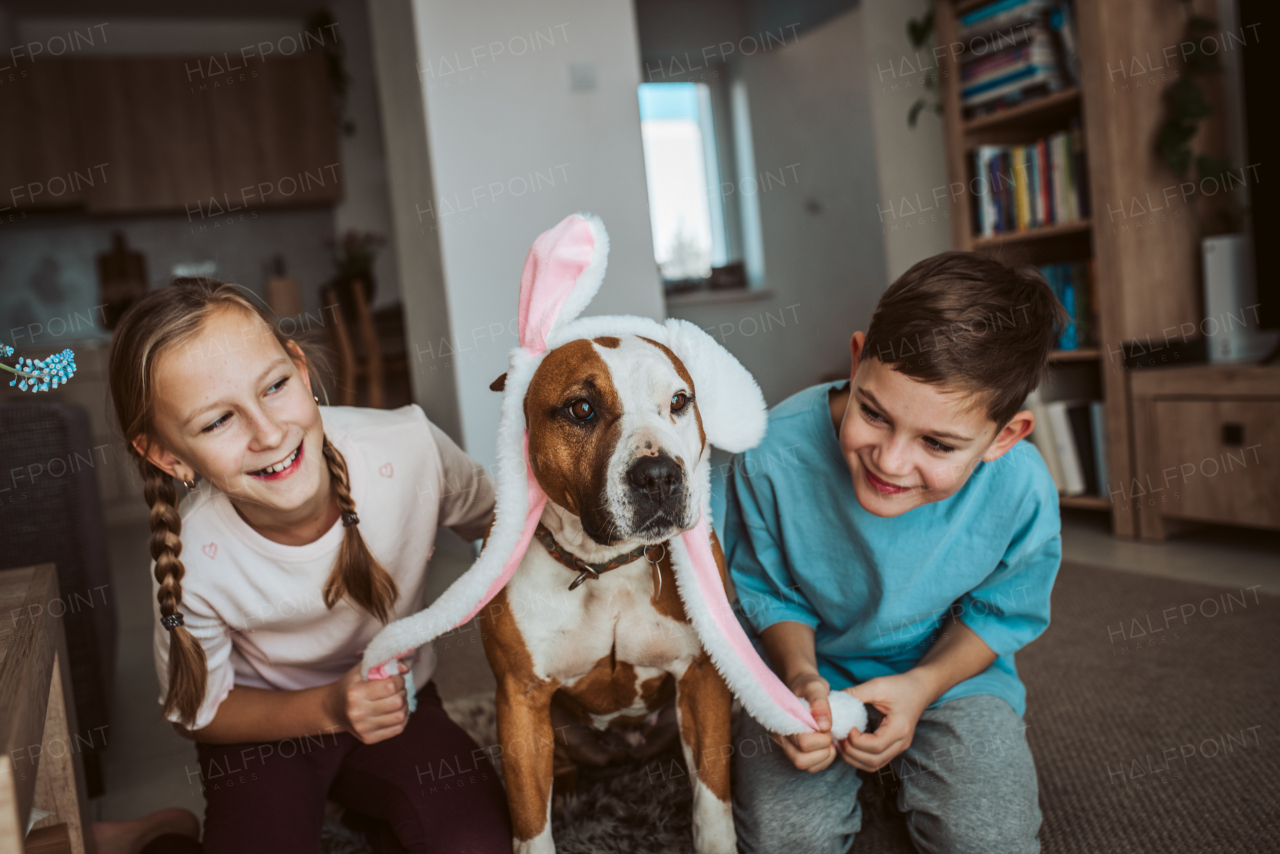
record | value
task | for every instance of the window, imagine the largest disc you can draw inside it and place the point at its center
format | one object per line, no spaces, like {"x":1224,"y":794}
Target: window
{"x":693,"y":149}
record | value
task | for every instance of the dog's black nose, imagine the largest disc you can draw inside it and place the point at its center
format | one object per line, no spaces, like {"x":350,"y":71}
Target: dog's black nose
{"x":657,"y":477}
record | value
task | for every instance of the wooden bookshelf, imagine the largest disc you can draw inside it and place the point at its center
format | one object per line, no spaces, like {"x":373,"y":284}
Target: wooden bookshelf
{"x":1044,"y":232}
{"x":1143,"y":282}
{"x":1084,"y":502}
{"x":1032,"y":112}
{"x":1081,"y":354}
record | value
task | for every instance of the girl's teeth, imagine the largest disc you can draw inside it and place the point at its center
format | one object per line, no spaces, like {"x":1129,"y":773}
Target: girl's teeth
{"x":282,"y":465}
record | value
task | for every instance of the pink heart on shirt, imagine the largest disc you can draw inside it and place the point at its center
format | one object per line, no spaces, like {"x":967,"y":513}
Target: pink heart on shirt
{"x":210,"y":550}
{"x":386,"y":470}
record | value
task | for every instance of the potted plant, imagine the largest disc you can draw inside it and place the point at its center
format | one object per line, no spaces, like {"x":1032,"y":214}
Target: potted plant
{"x":353,"y":254}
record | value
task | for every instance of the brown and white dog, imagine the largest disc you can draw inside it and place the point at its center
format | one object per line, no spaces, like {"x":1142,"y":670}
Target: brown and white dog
{"x":614,"y":434}
{"x":606,"y":587}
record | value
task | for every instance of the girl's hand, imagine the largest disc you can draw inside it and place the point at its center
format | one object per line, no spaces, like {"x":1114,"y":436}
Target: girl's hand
{"x":901,"y":699}
{"x":810,"y":751}
{"x":372,"y":711}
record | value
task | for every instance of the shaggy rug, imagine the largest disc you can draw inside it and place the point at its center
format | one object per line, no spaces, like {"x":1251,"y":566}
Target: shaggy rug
{"x":1152,"y":708}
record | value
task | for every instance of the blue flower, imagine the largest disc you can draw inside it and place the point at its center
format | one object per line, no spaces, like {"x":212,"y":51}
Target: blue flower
{"x":40,"y":374}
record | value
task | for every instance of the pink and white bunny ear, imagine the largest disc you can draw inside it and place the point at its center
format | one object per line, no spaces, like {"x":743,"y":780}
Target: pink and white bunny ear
{"x":757,"y":687}
{"x":734,"y":415}
{"x":561,"y":275}
{"x":562,"y":272}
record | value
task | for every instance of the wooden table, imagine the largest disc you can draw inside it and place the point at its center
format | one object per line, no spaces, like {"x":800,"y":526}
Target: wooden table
{"x":40,"y":765}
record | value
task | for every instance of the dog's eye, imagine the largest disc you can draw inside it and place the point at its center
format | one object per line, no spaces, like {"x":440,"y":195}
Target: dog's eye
{"x":679,"y":401}
{"x":581,"y":410}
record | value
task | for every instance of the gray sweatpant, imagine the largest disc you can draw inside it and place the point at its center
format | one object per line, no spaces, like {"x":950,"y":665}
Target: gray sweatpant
{"x":967,"y":783}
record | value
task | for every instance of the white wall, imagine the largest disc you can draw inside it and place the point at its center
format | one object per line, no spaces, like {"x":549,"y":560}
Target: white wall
{"x":366,"y":200}
{"x":499,"y":114}
{"x":823,"y":251}
{"x":416,"y":247}
{"x":914,"y":208}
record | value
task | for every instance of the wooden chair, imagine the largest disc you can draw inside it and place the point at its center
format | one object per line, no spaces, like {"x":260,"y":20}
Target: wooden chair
{"x":355,"y":370}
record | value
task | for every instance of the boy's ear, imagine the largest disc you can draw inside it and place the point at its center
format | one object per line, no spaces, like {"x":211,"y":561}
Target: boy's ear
{"x":1018,"y":428}
{"x":856,"y":343}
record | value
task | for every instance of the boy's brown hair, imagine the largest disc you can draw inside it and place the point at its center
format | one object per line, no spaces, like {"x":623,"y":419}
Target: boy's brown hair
{"x":970,"y":323}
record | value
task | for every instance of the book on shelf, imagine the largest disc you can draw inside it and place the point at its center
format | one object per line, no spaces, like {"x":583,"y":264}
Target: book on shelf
{"x":1082,"y":436}
{"x":1042,"y":438}
{"x":1071,"y":437}
{"x":1064,"y":443}
{"x":1015,"y":49}
{"x":1030,"y":186}
{"x":1072,"y":284}
{"x":1098,"y":426}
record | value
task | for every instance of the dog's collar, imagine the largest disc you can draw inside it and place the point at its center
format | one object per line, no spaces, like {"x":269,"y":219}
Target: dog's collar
{"x":589,"y":570}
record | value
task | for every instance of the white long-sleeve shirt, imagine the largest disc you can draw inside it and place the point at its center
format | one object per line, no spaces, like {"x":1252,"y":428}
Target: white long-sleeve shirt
{"x":257,"y":606}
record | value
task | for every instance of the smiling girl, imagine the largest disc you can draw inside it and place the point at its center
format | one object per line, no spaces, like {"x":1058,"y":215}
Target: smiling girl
{"x":308,"y":528}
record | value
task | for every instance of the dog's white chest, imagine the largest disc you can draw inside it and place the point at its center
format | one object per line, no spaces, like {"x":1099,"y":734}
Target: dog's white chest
{"x":568,"y":631}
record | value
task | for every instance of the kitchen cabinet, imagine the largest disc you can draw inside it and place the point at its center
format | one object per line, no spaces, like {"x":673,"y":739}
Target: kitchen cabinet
{"x":40,"y":161}
{"x":274,"y":136}
{"x":136,"y":135}
{"x":139,"y":117}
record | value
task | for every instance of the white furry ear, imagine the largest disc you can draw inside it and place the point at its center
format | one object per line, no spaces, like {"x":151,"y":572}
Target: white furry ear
{"x":734,"y":415}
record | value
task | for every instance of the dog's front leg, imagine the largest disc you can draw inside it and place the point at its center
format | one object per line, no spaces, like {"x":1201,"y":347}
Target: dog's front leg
{"x":528,"y":753}
{"x":525,"y":733}
{"x":703,"y":711}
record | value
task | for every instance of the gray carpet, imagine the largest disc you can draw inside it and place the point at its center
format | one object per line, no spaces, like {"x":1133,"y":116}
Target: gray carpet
{"x":1153,"y":708}
{"x":1152,"y":704}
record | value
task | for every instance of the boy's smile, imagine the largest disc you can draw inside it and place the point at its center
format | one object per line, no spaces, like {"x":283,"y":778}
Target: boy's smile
{"x":909,"y":443}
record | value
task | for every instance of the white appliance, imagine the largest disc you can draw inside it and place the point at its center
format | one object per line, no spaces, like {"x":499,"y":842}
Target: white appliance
{"x":1231,"y":304}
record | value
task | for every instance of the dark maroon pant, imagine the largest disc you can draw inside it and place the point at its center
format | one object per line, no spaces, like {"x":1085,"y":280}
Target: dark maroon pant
{"x":429,"y":789}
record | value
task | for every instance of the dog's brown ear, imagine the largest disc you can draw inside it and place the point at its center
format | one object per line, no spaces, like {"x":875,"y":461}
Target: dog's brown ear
{"x":499,"y":384}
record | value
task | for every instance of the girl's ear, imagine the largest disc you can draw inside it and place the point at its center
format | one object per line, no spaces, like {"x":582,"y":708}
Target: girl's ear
{"x":161,"y":458}
{"x":300,"y":360}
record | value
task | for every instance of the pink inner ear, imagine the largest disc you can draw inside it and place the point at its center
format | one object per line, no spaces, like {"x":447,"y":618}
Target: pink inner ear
{"x":698,"y":542}
{"x":551,"y":270}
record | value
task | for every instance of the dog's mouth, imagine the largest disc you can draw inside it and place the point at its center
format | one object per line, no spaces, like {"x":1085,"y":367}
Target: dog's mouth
{"x":659,"y":527}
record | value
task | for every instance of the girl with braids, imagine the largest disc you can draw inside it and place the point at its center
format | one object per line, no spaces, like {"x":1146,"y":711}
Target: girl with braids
{"x":303,"y":530}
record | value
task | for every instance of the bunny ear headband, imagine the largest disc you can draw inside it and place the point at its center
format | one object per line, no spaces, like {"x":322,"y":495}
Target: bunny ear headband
{"x":561,"y":275}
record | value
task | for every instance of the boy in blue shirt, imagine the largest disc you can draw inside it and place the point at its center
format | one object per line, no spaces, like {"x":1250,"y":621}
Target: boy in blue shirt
{"x":893,"y":537}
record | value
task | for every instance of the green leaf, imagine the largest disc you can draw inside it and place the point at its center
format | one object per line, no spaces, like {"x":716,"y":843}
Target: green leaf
{"x":1185,"y":101}
{"x":1211,"y":166}
{"x":1198,"y":62}
{"x":920,"y":30}
{"x":914,"y":113}
{"x":1172,"y":144}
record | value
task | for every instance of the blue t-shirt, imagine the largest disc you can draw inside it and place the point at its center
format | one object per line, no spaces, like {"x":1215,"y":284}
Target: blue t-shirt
{"x":800,"y":547}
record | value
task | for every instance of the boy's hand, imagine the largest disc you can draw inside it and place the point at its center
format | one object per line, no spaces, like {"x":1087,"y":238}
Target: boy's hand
{"x":372,"y":710}
{"x":901,"y":699}
{"x":810,"y":751}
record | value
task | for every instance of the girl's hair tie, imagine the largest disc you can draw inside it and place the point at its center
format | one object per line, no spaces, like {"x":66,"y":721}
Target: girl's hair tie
{"x":171,"y":621}
{"x":349,"y":518}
